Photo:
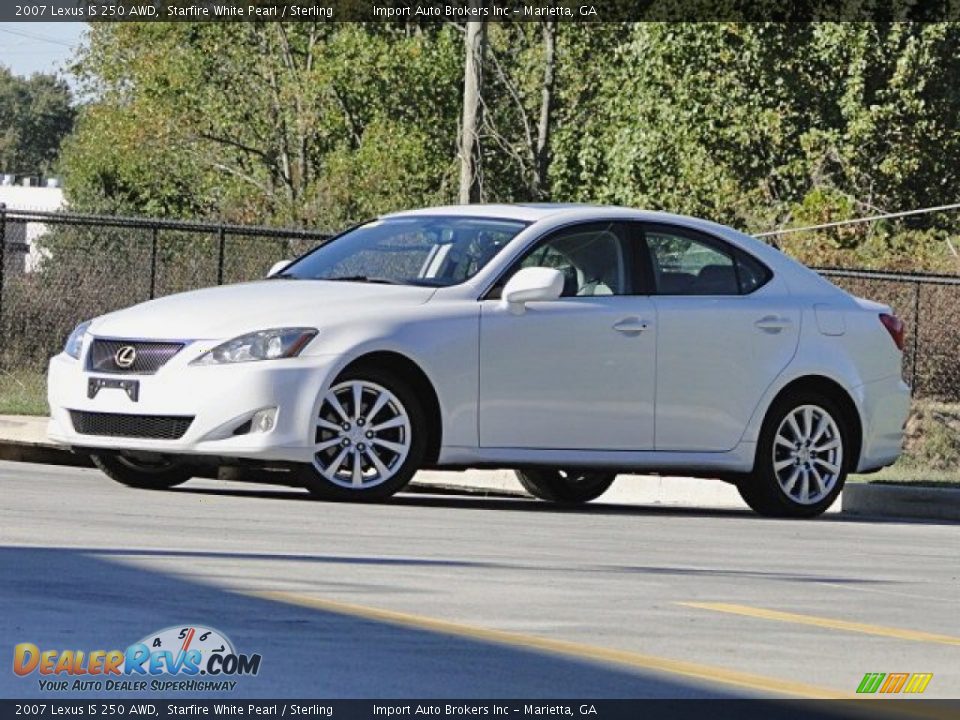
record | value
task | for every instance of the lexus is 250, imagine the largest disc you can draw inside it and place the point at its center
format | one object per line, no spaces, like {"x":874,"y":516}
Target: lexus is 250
{"x":568,"y":343}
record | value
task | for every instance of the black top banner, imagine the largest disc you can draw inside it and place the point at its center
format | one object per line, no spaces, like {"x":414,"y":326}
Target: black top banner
{"x":394,"y":11}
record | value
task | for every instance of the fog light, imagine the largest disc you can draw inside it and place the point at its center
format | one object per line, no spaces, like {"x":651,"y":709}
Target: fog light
{"x":263,"y":420}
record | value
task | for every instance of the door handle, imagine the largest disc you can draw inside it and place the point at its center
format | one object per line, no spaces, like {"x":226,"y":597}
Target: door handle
{"x":631,"y":326}
{"x":772,"y":323}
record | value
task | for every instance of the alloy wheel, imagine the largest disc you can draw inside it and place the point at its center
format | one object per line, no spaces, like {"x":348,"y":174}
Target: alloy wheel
{"x":363,"y":435}
{"x":807,"y":454}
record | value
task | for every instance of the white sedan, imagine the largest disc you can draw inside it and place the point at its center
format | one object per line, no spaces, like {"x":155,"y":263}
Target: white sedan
{"x":569,"y":343}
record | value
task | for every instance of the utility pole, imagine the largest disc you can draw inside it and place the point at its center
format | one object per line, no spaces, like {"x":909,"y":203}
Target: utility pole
{"x":475,"y":43}
{"x":541,"y":153}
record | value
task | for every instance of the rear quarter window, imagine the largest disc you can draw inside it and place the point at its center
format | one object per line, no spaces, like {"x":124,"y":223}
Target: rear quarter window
{"x":752,"y":274}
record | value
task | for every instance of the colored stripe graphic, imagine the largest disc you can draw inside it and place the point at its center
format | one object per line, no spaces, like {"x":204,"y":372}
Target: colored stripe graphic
{"x":895,"y":681}
{"x":871,"y":682}
{"x":918,"y":682}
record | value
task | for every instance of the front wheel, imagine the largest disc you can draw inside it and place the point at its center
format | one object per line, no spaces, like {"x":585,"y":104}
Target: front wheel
{"x":158,"y":475}
{"x":801,"y":463}
{"x":563,"y":486}
{"x":370,"y":438}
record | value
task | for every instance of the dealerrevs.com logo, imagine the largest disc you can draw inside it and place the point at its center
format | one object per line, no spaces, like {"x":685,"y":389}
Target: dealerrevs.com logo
{"x":184,"y":658}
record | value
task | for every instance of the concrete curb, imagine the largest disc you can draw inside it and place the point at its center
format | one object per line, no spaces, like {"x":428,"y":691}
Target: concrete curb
{"x":632,"y":489}
{"x":901,"y":501}
{"x":23,"y":439}
{"x":24,"y":452}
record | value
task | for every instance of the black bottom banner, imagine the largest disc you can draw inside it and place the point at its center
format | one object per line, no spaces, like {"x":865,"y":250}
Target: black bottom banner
{"x":473,"y":709}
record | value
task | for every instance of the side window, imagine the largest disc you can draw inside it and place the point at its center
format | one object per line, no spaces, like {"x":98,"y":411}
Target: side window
{"x":593,"y":259}
{"x":683,"y":264}
{"x":752,"y":273}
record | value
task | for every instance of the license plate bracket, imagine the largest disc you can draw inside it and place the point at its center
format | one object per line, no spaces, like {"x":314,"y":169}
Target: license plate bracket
{"x":130,"y":387}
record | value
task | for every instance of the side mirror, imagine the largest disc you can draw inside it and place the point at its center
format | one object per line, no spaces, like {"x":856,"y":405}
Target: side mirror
{"x":531,"y":284}
{"x":278,"y":267}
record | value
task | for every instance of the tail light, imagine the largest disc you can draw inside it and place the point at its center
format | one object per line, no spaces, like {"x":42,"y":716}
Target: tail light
{"x":894,"y":326}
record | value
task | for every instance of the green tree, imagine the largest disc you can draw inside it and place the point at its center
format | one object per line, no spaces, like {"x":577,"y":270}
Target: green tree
{"x":308,"y":124}
{"x":891,"y":138}
{"x":303,"y":123}
{"x":754,"y":124}
{"x":36,"y":113}
{"x":741,"y":121}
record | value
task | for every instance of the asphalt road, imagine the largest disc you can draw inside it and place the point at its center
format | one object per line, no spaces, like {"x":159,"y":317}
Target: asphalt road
{"x":465,"y":597}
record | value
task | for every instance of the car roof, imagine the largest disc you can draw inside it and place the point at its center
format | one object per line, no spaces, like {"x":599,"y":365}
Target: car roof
{"x":533,"y":212}
{"x":500,"y":211}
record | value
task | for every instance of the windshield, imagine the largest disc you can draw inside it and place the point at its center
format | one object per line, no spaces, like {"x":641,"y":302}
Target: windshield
{"x":432,"y":251}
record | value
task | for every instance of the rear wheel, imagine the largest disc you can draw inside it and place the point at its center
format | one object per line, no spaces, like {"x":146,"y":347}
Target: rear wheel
{"x":143,"y":474}
{"x":565,"y":486}
{"x":801,"y":463}
{"x":370,"y":438}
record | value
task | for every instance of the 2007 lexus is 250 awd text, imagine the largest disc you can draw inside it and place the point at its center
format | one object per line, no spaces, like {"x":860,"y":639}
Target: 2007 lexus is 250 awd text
{"x":569,"y":343}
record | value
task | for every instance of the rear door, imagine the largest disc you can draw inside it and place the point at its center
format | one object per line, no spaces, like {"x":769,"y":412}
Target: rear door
{"x":726,"y":329}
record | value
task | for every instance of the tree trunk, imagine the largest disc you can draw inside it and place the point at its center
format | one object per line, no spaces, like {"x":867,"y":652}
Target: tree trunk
{"x":472,"y":85}
{"x":541,"y":155}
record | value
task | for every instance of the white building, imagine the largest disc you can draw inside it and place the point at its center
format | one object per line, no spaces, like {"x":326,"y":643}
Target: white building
{"x":18,"y":234}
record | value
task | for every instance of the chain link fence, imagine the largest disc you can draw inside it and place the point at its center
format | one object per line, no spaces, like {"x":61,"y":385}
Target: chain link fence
{"x":929,"y":306}
{"x":61,"y":268}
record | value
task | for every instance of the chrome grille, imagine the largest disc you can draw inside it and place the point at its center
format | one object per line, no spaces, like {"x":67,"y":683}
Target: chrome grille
{"x":148,"y":356}
{"x":157,"y":427}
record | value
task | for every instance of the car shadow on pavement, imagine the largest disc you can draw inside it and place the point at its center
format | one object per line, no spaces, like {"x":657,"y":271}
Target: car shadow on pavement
{"x":386,"y":561}
{"x":466,"y":500}
{"x":458,"y":499}
{"x":91,"y":600}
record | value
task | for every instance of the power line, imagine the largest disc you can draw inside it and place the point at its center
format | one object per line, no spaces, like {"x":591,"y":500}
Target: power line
{"x":33,"y":36}
{"x":854,"y":221}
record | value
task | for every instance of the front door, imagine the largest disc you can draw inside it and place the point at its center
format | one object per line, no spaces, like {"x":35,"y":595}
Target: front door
{"x":577,"y":372}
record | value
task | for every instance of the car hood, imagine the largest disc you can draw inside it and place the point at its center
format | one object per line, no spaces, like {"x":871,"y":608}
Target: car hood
{"x":231,"y":310}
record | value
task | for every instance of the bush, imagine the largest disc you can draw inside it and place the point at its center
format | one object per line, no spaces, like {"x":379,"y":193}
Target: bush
{"x":932,"y":437}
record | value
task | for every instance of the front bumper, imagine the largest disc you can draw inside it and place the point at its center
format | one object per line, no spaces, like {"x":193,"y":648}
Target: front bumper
{"x":219,"y":397}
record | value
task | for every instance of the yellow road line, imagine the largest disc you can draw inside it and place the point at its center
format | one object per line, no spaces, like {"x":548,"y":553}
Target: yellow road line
{"x":697,"y":671}
{"x":830,"y":623}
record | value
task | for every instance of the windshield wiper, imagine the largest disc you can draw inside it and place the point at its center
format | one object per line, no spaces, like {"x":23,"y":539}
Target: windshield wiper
{"x":429,"y":282}
{"x":362,"y":278}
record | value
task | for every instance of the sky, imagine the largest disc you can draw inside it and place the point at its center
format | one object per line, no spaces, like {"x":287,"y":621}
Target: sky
{"x":32,"y":47}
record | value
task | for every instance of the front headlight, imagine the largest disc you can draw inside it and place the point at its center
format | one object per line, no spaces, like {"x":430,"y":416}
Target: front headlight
{"x":262,"y":345}
{"x":74,"y":343}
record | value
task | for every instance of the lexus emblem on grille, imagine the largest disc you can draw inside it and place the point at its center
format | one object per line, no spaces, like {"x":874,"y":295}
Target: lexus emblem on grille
{"x":125,"y":356}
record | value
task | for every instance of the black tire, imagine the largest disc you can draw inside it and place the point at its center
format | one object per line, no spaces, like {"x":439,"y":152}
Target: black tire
{"x":762,"y":489}
{"x":325,"y":489}
{"x":569,"y":487}
{"x":143,"y":475}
